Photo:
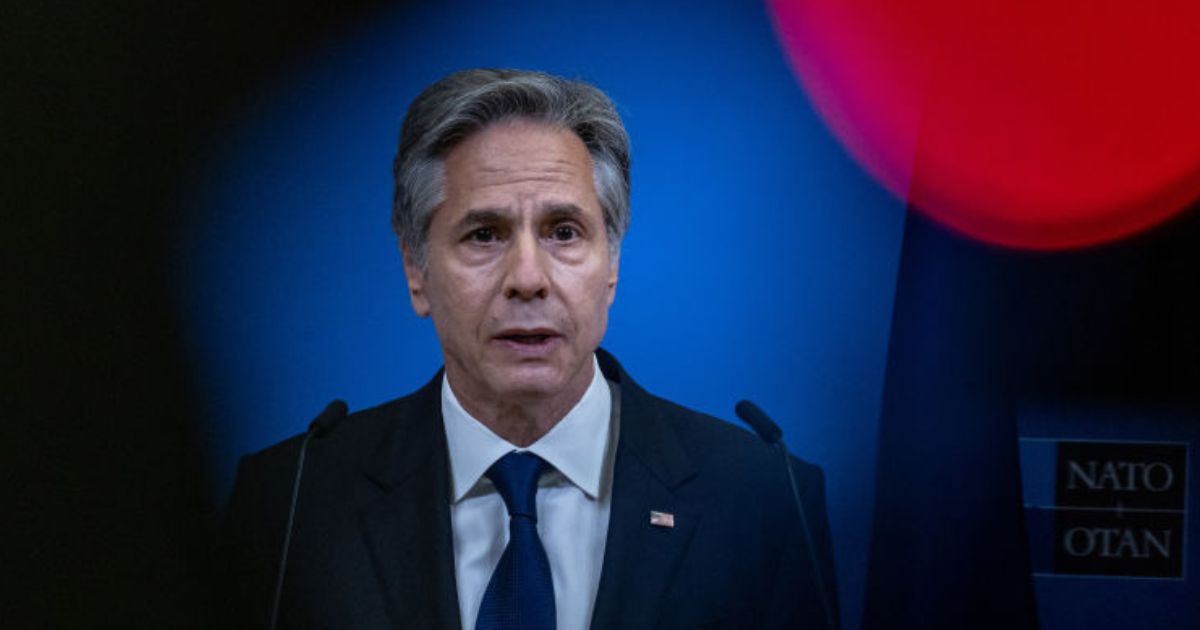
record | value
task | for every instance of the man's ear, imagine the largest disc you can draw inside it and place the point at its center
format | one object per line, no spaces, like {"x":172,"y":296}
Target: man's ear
{"x":416,"y":283}
{"x":614,"y":266}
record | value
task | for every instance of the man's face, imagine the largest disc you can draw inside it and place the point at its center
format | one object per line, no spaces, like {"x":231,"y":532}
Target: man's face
{"x":519,"y":276}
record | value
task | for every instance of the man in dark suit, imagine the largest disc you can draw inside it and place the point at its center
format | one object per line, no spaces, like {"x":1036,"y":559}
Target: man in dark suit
{"x":532,"y":483}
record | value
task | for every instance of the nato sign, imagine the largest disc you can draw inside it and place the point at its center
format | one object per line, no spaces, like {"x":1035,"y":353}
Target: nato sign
{"x":1118,"y":509}
{"x":1108,"y":513}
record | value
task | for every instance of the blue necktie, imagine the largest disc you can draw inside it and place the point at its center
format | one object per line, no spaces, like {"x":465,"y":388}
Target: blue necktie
{"x":520,"y":593}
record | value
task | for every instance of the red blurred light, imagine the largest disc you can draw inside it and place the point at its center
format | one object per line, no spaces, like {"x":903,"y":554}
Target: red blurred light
{"x":1042,"y":125}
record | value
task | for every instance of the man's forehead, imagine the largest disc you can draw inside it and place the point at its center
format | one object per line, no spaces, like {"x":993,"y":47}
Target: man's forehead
{"x":526,"y":166}
{"x":513,"y":145}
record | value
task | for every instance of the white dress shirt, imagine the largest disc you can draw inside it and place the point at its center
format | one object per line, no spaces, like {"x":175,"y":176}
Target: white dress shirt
{"x":573,"y":501}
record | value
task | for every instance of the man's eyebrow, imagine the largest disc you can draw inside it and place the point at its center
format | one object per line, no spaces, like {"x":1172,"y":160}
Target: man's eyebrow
{"x":482,"y":216}
{"x":490,"y":216}
{"x":558,"y":210}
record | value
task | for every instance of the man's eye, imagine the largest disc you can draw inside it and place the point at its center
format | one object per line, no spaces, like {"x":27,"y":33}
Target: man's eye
{"x":482,"y":235}
{"x":564,"y":233}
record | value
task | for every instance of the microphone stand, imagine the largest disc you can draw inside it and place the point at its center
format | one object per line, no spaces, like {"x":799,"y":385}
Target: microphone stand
{"x":770,"y":433}
{"x":333,"y":413}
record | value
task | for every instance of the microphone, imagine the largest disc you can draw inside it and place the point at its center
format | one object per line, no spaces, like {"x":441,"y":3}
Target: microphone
{"x":324,"y":423}
{"x":319,"y":427}
{"x":770,"y":433}
{"x":758,"y":420}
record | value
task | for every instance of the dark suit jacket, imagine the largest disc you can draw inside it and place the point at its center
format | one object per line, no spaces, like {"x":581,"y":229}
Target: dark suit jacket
{"x":372,"y":542}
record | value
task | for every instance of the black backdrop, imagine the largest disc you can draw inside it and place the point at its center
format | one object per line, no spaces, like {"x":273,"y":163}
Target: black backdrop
{"x":100,"y":101}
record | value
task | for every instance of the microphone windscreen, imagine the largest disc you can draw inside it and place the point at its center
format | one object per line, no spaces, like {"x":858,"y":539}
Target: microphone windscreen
{"x":758,"y":420}
{"x":323,"y":423}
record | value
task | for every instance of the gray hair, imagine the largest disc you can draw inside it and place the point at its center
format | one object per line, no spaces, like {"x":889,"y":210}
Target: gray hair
{"x":465,"y":102}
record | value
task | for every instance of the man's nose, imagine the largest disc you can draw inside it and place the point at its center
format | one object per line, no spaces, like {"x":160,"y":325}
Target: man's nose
{"x":526,"y":277}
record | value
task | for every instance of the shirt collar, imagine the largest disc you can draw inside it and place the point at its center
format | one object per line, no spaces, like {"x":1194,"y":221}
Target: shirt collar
{"x":575,"y":446}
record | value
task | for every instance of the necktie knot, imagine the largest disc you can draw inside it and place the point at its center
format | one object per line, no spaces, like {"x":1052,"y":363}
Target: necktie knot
{"x":516,"y":477}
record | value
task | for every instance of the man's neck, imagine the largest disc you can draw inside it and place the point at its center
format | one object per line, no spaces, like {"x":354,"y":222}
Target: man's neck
{"x":523,"y":420}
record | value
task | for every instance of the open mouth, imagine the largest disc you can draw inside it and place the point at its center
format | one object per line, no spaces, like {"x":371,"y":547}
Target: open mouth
{"x":529,"y":342}
{"x":526,"y":340}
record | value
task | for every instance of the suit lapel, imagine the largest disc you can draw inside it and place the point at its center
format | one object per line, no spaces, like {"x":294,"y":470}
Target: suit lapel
{"x":407,"y":527}
{"x":641,"y":558}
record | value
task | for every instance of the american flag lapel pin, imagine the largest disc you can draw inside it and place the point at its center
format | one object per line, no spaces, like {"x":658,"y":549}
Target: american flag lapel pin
{"x":662,"y":519}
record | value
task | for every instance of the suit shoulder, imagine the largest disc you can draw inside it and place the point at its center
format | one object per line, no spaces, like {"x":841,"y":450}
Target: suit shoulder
{"x":363,"y":421}
{"x":699,"y":427}
{"x":710,"y":438}
{"x":354,"y":436}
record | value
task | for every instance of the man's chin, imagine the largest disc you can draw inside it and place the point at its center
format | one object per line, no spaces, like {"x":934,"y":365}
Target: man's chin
{"x":531,"y":383}
{"x":533,"y":379}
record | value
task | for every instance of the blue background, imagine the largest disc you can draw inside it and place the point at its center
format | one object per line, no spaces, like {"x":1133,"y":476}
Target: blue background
{"x":761,"y":262}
